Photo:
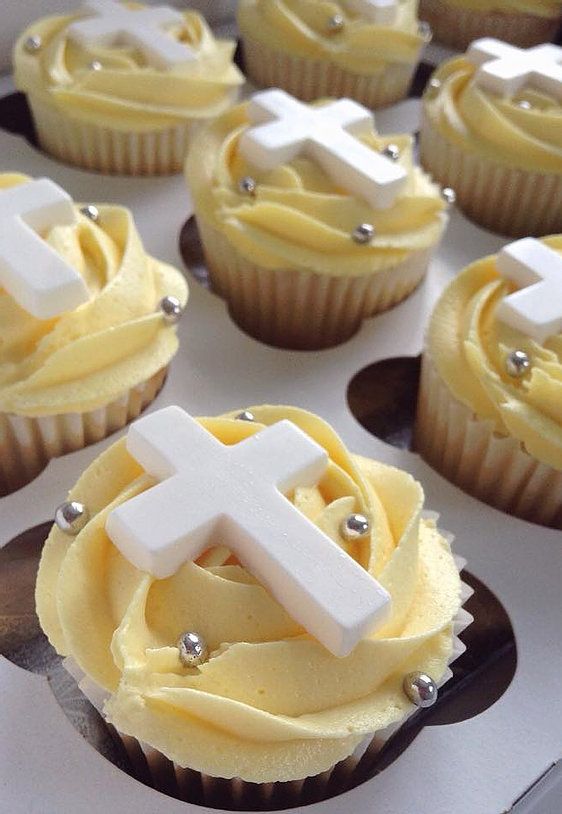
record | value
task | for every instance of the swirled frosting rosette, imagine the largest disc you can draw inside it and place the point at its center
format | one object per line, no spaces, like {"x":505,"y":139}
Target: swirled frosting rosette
{"x":501,"y":153}
{"x":313,"y":48}
{"x":522,"y":22}
{"x":283,"y":256}
{"x":492,"y":427}
{"x":72,"y":379}
{"x":269,"y":704}
{"x":104,"y":105}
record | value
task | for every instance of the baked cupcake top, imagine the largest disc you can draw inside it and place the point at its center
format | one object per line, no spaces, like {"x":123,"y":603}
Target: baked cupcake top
{"x":125,"y":75}
{"x":518,"y":123}
{"x":357,"y":35}
{"x":115,"y":335}
{"x":507,"y":370}
{"x":537,"y":8}
{"x":270,"y":703}
{"x":303,"y":212}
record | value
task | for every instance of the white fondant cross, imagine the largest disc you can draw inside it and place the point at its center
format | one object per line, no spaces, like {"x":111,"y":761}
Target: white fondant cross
{"x":212,"y":494}
{"x":327,"y":134}
{"x":111,"y":23}
{"x":31,"y":271}
{"x":383,"y":12}
{"x":536,"y":309}
{"x":505,"y":69}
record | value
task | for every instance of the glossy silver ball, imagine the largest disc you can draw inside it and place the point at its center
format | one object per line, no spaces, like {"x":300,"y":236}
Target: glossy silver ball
{"x":421,"y":689}
{"x":172,"y":309}
{"x":91,"y":212}
{"x":33,"y":44}
{"x":392,"y":151}
{"x":95,"y":65}
{"x":245,"y":415}
{"x":424,"y":30}
{"x":449,"y":195}
{"x":363,"y":233}
{"x":247,"y":186}
{"x":193,"y":649}
{"x":433,"y":87}
{"x":71,"y":517}
{"x":524,"y":104}
{"x":517,"y":363}
{"x":336,"y":23}
{"x":354,"y":526}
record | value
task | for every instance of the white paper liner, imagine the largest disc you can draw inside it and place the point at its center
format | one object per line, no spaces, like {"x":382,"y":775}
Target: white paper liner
{"x":153,"y":767}
{"x":28,"y":444}
{"x":512,"y":201}
{"x":298,"y":309}
{"x":94,"y":147}
{"x":457,"y":27}
{"x":310,"y":79}
{"x":468,"y":452}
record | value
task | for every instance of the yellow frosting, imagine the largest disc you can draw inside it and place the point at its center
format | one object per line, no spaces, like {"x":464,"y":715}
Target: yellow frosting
{"x":271,"y":703}
{"x":469,"y":344}
{"x":301,"y":27}
{"x":298,"y":218}
{"x":86,"y":358}
{"x":537,"y":8}
{"x":498,"y":128}
{"x":128,"y":94}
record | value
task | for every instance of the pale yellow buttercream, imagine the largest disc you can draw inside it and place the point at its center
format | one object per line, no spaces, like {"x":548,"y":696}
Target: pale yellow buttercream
{"x":495,"y":127}
{"x":468,"y":345}
{"x":127,"y":94}
{"x":271,"y":703}
{"x":299,"y":218}
{"x":301,"y":28}
{"x":536,"y":8}
{"x":86,"y":358}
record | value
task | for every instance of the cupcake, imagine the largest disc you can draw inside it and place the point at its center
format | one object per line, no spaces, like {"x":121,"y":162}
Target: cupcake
{"x":520,"y":22}
{"x":122,"y":88}
{"x":497,"y":140}
{"x":205,"y":673}
{"x":490,"y":403}
{"x":85,"y":346}
{"x":307,"y":237}
{"x":367,"y":51}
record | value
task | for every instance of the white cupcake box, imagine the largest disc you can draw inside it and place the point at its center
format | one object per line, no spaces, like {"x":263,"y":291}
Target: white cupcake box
{"x":496,"y":762}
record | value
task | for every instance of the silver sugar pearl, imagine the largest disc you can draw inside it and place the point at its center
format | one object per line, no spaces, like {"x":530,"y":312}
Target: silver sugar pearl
{"x":421,"y":689}
{"x":354,"y":526}
{"x":517,"y":363}
{"x":91,"y":212}
{"x":524,"y":104}
{"x":193,"y":649}
{"x":172,"y":309}
{"x":247,"y":185}
{"x":71,"y":517}
{"x":95,"y":65}
{"x":336,"y":24}
{"x":392,"y":151}
{"x":363,"y":233}
{"x":424,"y":30}
{"x":245,"y":415}
{"x":33,"y":44}
{"x":449,"y":195}
{"x":433,"y":87}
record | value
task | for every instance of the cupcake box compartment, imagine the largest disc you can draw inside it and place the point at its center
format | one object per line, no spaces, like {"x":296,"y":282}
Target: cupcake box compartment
{"x":483,"y":765}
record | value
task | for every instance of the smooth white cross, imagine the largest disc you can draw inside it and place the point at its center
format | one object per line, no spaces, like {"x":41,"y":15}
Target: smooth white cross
{"x":110,"y":23}
{"x":288,"y":128}
{"x":212,"y":494}
{"x":31,"y":271}
{"x":505,"y":69}
{"x":383,"y":12}
{"x":536,"y":309}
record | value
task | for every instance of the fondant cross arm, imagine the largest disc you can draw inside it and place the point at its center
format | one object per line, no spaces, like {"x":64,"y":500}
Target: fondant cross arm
{"x":233,"y":496}
{"x":31,"y":271}
{"x":536,"y":309}
{"x":383,"y":12}
{"x":287,"y":128}
{"x":505,"y":69}
{"x":110,"y":23}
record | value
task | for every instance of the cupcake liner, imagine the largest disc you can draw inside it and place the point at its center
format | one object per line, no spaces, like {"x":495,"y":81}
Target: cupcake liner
{"x":94,"y":147}
{"x":301,"y":309}
{"x":508,"y":200}
{"x":457,"y":27}
{"x":154,"y":768}
{"x":467,"y":451}
{"x":311,"y":79}
{"x":27,"y":444}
